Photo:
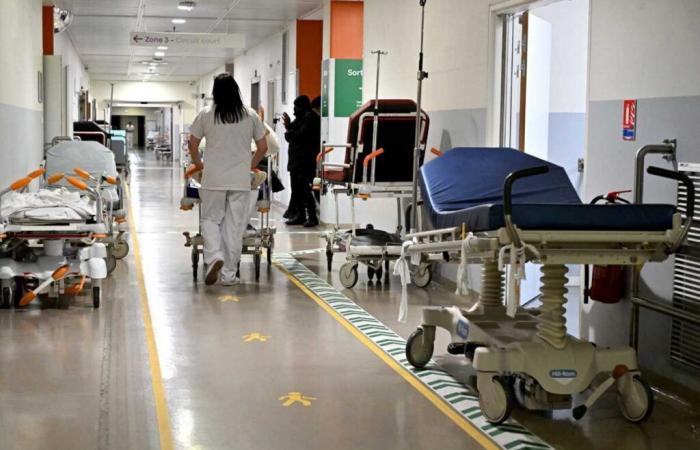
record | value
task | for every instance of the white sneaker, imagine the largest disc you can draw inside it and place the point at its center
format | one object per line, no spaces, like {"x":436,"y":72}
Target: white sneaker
{"x":213,"y":272}
{"x":230,"y":282}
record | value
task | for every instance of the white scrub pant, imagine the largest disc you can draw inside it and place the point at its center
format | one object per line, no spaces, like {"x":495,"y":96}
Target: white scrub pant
{"x":224,"y":220}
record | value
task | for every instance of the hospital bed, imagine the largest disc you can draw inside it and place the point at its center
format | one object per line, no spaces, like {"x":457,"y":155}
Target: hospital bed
{"x":121,"y":153}
{"x":375,"y":165}
{"x":254,"y":240}
{"x":502,"y":208}
{"x":50,"y":240}
{"x":95,"y":164}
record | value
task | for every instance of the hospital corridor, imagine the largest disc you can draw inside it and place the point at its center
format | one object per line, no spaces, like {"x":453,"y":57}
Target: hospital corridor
{"x":350,"y":224}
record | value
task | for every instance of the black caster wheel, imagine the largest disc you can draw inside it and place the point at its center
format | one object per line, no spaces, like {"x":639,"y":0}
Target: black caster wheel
{"x":111,"y":262}
{"x":18,"y":292}
{"x":418,"y":351}
{"x":348,"y":275}
{"x":329,"y":259}
{"x":96,"y":297}
{"x":120,"y":249}
{"x":7,"y":298}
{"x":636,"y":400}
{"x":496,"y":399}
{"x":256,"y":262}
{"x":195,"y":263}
{"x":423,"y":276}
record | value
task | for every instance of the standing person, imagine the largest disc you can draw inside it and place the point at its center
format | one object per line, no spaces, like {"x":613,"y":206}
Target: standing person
{"x":229,"y":127}
{"x":312,"y":142}
{"x":294,"y":135}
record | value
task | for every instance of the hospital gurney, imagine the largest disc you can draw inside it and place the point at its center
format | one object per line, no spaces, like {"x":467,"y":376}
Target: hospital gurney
{"x":376,"y":164}
{"x":96,"y":165}
{"x":50,"y":241}
{"x":535,"y":217}
{"x":121,"y":153}
{"x":254,"y":240}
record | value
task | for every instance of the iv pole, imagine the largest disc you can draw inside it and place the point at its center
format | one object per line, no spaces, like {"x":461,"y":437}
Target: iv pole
{"x":375,"y":125}
{"x":422,"y":75}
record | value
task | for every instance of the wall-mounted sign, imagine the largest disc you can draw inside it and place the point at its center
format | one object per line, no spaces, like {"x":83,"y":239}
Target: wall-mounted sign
{"x":187,"y":40}
{"x":348,"y":86}
{"x":629,"y":120}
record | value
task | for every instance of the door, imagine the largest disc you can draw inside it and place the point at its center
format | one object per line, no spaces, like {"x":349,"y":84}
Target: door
{"x":513,"y":80}
{"x":255,"y":95}
{"x":271,"y":103}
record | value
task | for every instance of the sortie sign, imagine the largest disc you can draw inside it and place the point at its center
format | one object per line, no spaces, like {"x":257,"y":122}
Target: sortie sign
{"x":187,"y":40}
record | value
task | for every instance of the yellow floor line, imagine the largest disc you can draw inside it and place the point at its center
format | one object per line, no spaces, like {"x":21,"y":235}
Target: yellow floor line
{"x":162,"y":415}
{"x":460,"y":421}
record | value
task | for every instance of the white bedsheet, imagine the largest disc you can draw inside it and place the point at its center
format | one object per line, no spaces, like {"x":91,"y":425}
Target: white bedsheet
{"x":47,"y":205}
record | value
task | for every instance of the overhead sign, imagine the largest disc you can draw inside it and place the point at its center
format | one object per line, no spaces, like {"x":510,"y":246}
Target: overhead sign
{"x":187,"y":40}
{"x":629,"y":120}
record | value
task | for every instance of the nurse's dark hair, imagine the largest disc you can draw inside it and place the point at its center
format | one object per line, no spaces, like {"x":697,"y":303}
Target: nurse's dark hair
{"x":228,"y":103}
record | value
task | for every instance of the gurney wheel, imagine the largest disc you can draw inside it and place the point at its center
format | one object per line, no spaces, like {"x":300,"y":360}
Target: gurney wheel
{"x":96,"y":297}
{"x":418,"y":351}
{"x":111,"y":262}
{"x":329,"y":258}
{"x":195,"y":263}
{"x":348,"y":275}
{"x":496,"y":398}
{"x":637,"y":404}
{"x":423,"y":276}
{"x":256,"y":261}
{"x":120,"y":249}
{"x":6,"y":298}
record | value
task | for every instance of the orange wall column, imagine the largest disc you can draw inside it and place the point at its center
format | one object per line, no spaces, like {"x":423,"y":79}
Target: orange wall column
{"x":47,"y":29}
{"x":309,"y":56}
{"x":347,"y":29}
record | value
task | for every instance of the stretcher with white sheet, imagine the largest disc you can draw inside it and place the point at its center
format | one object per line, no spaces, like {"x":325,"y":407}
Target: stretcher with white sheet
{"x":501,"y":208}
{"x":50,"y":240}
{"x":96,"y":165}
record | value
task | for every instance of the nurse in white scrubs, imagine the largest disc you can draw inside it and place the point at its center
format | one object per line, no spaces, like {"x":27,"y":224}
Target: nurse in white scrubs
{"x":228,"y":126}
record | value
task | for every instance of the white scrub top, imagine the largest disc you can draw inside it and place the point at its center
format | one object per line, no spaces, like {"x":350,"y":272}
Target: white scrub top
{"x":228,"y":158}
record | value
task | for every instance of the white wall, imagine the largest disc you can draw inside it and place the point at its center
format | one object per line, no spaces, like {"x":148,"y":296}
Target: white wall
{"x":569,"y":20}
{"x":21,"y":114}
{"x":78,"y":77}
{"x":148,"y":91}
{"x":644,"y":48}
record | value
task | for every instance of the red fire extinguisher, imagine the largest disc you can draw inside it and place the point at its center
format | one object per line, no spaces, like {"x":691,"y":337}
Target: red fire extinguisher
{"x":608,"y":282}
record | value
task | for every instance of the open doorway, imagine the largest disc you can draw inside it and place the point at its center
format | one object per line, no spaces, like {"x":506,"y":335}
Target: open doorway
{"x":255,"y":94}
{"x":544,"y":67}
{"x":543,"y":50}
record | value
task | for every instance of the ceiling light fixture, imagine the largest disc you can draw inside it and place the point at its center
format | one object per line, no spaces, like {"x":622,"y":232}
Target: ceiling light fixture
{"x":159,"y":54}
{"x":178,"y":21}
{"x":162,"y":47}
{"x":186,"y":6}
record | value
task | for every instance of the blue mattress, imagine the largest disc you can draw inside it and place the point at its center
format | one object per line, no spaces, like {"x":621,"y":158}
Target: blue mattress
{"x":465,"y":186}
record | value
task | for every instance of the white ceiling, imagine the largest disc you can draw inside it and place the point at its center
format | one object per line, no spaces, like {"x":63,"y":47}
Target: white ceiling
{"x":100,"y":32}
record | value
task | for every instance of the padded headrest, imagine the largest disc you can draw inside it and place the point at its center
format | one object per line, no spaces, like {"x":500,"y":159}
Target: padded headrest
{"x":387,"y":108}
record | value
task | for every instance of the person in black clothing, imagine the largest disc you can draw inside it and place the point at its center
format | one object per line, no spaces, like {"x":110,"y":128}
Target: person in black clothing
{"x":304,"y":137}
{"x":302,"y":105}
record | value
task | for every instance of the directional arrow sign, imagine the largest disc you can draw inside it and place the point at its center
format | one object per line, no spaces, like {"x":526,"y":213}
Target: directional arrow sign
{"x":187,"y":40}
